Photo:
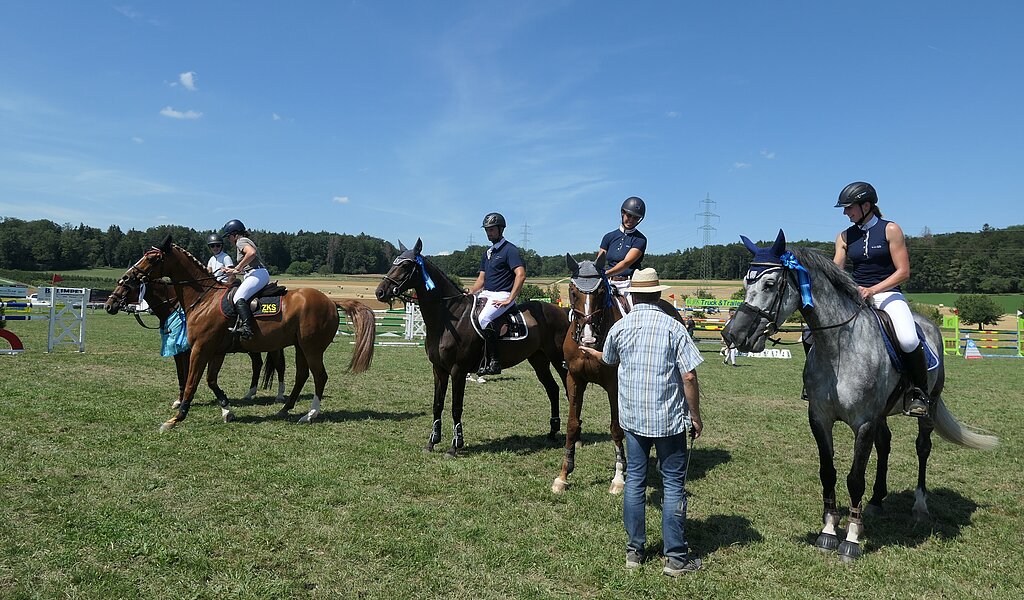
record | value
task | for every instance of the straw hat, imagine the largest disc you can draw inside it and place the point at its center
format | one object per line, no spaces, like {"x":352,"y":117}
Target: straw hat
{"x":645,"y":281}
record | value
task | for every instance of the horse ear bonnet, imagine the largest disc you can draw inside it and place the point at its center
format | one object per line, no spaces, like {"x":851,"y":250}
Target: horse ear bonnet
{"x":587,"y":278}
{"x":765,"y":258}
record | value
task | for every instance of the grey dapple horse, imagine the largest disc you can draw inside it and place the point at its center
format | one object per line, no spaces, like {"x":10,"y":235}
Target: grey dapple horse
{"x":848,"y":376}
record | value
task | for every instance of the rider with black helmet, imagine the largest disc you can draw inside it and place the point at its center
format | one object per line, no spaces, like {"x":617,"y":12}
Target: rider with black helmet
{"x":218,"y":258}
{"x":502,"y":274}
{"x":624,"y":247}
{"x":256,"y":275}
{"x":877,"y":250}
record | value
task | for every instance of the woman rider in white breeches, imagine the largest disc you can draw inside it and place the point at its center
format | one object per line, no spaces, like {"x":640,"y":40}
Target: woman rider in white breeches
{"x":249,"y":263}
{"x":624,"y":248}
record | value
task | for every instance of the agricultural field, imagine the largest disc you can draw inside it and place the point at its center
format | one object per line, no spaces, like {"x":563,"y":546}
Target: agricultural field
{"x":96,"y":503}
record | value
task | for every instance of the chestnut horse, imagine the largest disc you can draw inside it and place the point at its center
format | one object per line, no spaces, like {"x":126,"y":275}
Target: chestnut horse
{"x":308,"y":320}
{"x":455,"y":349}
{"x":162,"y":302}
{"x":594,"y":311}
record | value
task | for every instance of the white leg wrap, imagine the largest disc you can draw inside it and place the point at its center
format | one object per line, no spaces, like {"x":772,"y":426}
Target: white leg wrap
{"x":314,"y":410}
{"x":920,"y":509}
{"x":831,"y":522}
{"x":853,"y":531}
{"x":250,"y":394}
{"x":280,"y":391}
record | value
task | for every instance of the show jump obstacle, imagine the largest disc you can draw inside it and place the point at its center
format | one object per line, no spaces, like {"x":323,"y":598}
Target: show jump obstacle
{"x":66,"y":316}
{"x":978,"y":343}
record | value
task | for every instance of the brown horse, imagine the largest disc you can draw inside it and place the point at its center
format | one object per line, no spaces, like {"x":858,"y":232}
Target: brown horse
{"x":162,"y":302}
{"x":594,"y":311}
{"x":455,"y":349}
{"x":308,"y":320}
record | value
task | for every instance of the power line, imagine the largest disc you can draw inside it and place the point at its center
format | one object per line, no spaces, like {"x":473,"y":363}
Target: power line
{"x":526,"y":235}
{"x":708,"y":231}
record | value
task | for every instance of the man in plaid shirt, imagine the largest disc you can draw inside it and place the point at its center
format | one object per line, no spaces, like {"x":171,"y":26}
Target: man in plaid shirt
{"x":659,"y":397}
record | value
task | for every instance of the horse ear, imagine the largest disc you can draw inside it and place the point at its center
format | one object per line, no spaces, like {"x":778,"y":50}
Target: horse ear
{"x":780,"y":244}
{"x":419,"y":246}
{"x":166,"y":244}
{"x":749,"y":244}
{"x":571,"y":264}
{"x":599,"y":263}
{"x":401,"y":246}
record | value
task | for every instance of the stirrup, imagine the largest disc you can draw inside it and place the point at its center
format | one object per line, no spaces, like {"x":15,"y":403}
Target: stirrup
{"x":919,"y":407}
{"x":492,"y":368}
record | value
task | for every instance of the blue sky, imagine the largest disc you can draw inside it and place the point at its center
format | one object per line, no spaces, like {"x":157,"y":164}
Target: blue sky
{"x":414,"y":119}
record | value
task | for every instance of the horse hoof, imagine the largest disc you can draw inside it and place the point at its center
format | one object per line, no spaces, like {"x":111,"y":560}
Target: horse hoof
{"x":229,"y":416}
{"x":307,"y":418}
{"x":922,"y":516}
{"x":282,"y":414}
{"x":451,"y":453}
{"x":849,"y":551}
{"x":165,"y":427}
{"x":559,"y":485}
{"x":616,"y":488}
{"x":873,"y":510}
{"x":826,"y":542}
{"x":247,"y":398}
{"x":176,"y":404}
{"x":579,"y":444}
{"x":428,"y":449}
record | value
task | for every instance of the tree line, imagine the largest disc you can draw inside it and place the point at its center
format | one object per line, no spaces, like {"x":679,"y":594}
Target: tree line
{"x":989,"y":261}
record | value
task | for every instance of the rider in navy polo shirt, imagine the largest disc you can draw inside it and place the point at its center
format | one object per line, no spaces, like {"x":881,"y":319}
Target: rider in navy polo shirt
{"x":502,"y":274}
{"x":624,"y":247}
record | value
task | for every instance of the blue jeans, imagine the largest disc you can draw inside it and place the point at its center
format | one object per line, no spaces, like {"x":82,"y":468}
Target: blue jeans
{"x":672,"y":454}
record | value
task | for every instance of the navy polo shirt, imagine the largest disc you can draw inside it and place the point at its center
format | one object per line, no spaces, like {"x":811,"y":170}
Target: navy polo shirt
{"x":868,"y":250}
{"x":617,"y":243}
{"x":499,"y":268}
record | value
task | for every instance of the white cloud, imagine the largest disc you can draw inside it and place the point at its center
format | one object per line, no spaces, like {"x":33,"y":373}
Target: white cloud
{"x":768,"y":155}
{"x":741,"y":165}
{"x":672,"y":114}
{"x":138,"y":140}
{"x":129,"y":12}
{"x":340,"y":199}
{"x":275,"y":116}
{"x":177,"y":114}
{"x":188,"y":80}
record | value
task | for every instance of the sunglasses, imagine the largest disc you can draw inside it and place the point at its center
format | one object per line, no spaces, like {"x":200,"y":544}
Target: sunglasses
{"x":216,"y":245}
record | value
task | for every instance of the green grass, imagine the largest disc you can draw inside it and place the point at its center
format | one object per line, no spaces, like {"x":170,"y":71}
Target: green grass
{"x":1008,"y":302}
{"x":96,"y":503}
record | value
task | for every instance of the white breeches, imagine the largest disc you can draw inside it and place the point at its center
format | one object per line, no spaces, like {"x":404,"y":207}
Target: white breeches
{"x":253,"y":282}
{"x":895,"y":305}
{"x":490,"y":312}
{"x":623,"y":287}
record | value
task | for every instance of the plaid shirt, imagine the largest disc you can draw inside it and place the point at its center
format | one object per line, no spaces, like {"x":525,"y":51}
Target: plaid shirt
{"x":653,"y":352}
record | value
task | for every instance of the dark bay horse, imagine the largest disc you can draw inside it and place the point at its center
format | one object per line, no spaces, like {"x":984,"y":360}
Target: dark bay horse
{"x":848,"y":377}
{"x":455,"y":349}
{"x":308,"y":320}
{"x":594,"y":311}
{"x":162,"y":301}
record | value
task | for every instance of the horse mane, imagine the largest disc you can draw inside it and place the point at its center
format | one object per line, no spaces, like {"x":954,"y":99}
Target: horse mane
{"x":816,"y":261}
{"x":438,"y":269}
{"x":195,"y":261}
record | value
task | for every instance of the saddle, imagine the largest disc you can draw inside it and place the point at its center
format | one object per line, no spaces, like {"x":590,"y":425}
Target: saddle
{"x":266,"y":303}
{"x":510,"y":325}
{"x":905,"y":385}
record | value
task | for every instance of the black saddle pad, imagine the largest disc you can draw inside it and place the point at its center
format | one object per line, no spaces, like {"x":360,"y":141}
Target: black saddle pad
{"x":266,"y":302}
{"x":511,"y":324}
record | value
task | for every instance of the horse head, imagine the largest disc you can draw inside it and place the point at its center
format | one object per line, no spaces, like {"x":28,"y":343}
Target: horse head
{"x":769,"y":299}
{"x":403,"y":274}
{"x":147,"y":268}
{"x":589,"y":299}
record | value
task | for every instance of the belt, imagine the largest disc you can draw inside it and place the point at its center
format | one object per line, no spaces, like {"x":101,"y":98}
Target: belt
{"x":619,"y":278}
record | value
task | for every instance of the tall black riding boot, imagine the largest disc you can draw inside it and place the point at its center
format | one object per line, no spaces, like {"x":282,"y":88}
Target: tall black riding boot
{"x":917,"y":364}
{"x":491,"y":364}
{"x":244,"y":326}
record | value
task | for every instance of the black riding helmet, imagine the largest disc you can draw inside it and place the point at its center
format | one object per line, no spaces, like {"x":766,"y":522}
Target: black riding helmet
{"x":636,"y":207}
{"x":494,"y":220}
{"x":214,"y":238}
{"x":233,"y":226}
{"x":856,"y":193}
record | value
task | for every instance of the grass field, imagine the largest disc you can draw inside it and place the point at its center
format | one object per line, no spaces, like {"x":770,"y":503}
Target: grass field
{"x":1010,"y":303}
{"x":96,"y":503}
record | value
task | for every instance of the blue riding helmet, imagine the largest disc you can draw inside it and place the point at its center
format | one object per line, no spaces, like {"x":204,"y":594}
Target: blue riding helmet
{"x":856,"y":193}
{"x":636,"y":207}
{"x":233,"y":226}
{"x":494,"y":220}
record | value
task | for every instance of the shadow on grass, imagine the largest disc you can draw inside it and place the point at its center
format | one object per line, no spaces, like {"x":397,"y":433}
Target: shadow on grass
{"x":528,"y":444}
{"x":328,"y":416}
{"x":950,"y":513}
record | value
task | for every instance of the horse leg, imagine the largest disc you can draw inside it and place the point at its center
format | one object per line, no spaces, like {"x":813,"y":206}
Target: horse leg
{"x":619,"y":481}
{"x":850,"y":550}
{"x":458,"y":395}
{"x":181,"y":367}
{"x":211,"y":381}
{"x":440,"y":390}
{"x":883,"y":445}
{"x":572,"y":432}
{"x":924,"y":449}
{"x":539,"y":362}
{"x":827,"y":539}
{"x":280,"y":375}
{"x":196,"y":365}
{"x":257,"y":365}
{"x":315,"y":362}
{"x":301,"y":374}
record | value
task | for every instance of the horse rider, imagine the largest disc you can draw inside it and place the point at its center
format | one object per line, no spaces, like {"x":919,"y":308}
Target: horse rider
{"x":878,"y":251}
{"x":624,"y":248}
{"x":255,"y":278}
{"x":502,"y":274}
{"x":218,"y":258}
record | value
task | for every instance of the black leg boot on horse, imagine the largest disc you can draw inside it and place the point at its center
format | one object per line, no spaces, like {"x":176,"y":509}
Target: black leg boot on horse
{"x":244,"y":325}
{"x":492,"y":366}
{"x":917,"y":364}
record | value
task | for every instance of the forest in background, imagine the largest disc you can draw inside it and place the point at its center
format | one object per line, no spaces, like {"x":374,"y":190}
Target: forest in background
{"x":990,"y":261}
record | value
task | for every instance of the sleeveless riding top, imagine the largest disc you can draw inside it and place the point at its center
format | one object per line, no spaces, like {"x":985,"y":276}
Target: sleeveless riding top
{"x":868,"y":250}
{"x":240,"y":244}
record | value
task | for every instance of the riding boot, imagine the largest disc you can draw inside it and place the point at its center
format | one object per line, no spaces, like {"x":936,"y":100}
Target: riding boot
{"x":491,"y":364}
{"x":917,"y":364}
{"x":244,"y":326}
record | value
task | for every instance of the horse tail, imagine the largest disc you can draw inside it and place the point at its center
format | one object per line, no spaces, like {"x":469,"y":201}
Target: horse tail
{"x":365,"y":326}
{"x":270,"y":366}
{"x":954,"y":431}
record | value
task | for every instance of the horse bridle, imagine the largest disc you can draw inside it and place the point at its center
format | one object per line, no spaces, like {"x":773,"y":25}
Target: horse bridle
{"x":402,"y":294}
{"x":594,"y":318}
{"x":140,"y":275}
